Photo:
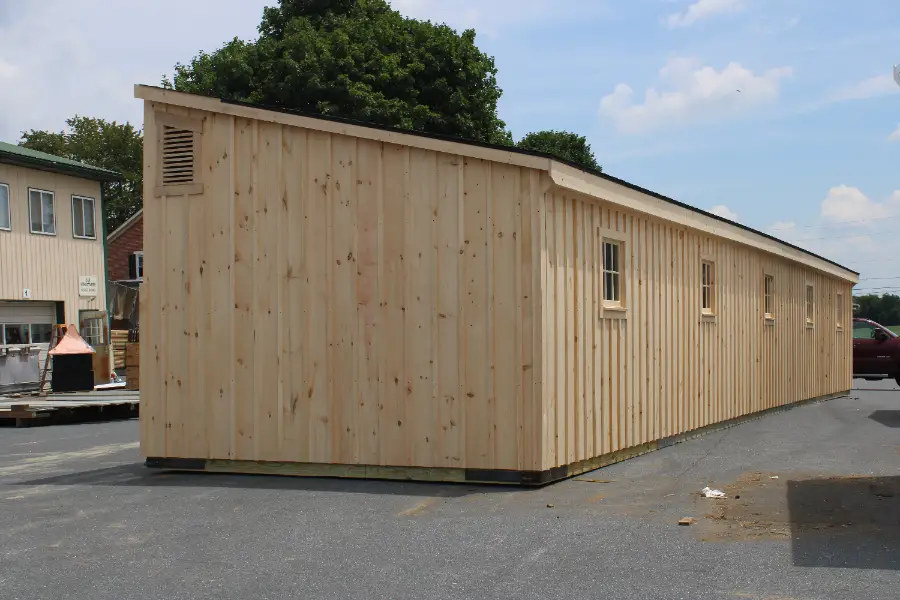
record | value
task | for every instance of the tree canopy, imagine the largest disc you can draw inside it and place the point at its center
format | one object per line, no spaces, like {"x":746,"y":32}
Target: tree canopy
{"x":883,"y":309}
{"x":357,"y":59}
{"x":562,"y":144}
{"x":104,"y":144}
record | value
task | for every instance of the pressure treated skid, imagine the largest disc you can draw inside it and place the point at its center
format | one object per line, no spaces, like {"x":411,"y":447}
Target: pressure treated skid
{"x":355,"y":300}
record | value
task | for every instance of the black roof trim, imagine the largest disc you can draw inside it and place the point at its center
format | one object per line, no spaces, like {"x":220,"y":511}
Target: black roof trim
{"x":516,"y":150}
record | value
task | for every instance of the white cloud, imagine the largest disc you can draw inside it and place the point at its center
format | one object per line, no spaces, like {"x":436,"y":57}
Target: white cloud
{"x":851,"y":229}
{"x":696,"y":92}
{"x":895,"y":137}
{"x":723,"y":211}
{"x":82,"y":69}
{"x":845,"y":204}
{"x":704,"y":9}
{"x":873,"y":87}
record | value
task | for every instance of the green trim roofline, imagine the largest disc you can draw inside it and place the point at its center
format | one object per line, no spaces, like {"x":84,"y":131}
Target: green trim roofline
{"x":25,"y":157}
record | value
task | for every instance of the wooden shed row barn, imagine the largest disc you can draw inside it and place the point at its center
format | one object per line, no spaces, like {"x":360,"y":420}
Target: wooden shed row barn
{"x":329,"y":298}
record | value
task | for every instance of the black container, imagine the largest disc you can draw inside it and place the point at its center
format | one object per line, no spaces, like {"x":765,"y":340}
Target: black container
{"x":72,"y":373}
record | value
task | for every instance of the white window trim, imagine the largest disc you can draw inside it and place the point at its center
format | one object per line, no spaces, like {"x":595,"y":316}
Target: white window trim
{"x":810,"y":322}
{"x":612,"y":309}
{"x":769,"y":317}
{"x":30,"y":220}
{"x":94,"y":216}
{"x":838,"y":312}
{"x":8,"y":208}
{"x":709,"y":313}
{"x":138,"y":254}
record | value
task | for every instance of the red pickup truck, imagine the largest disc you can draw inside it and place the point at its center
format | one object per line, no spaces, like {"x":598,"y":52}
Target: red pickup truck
{"x":876,"y":351}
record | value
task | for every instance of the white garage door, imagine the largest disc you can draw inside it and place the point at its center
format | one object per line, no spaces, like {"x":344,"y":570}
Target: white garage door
{"x":26,"y":323}
{"x":25,"y":329}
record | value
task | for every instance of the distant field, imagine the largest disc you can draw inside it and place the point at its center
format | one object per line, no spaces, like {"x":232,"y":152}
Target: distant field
{"x":895,"y":328}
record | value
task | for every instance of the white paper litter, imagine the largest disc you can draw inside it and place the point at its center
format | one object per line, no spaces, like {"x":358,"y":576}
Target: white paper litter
{"x":774,"y":477}
{"x":710,"y":493}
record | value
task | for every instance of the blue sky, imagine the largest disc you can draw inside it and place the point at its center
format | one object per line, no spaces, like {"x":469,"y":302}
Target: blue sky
{"x":779,"y":113}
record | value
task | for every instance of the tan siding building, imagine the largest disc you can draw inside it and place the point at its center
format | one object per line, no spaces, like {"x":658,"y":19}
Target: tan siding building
{"x":52,"y":267}
{"x":326,"y":298}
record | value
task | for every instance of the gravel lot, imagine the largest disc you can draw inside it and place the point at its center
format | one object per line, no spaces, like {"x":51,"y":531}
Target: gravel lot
{"x":818,"y":518}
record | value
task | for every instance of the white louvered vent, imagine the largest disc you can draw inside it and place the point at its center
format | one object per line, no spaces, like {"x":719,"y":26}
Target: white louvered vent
{"x":177,"y":156}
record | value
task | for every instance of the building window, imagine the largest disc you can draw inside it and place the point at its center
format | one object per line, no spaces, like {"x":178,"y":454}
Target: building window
{"x":41,"y":333}
{"x":708,"y":282}
{"x":83,"y":218}
{"x":612,"y":273}
{"x":136,"y":265}
{"x":5,"y":218}
{"x":838,"y":311}
{"x":40,"y":208}
{"x":810,"y":305}
{"x":770,"y":296}
{"x":15,"y":334}
{"x":92,"y":327}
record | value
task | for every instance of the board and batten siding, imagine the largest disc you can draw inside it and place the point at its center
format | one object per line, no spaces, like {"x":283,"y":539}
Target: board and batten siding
{"x":332,"y":299}
{"x":614,"y":381}
{"x":334,"y":294}
{"x":50,"y":265}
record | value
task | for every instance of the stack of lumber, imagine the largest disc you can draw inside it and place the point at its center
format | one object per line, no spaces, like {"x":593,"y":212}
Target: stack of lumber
{"x":132,"y":366}
{"x":118,"y":339}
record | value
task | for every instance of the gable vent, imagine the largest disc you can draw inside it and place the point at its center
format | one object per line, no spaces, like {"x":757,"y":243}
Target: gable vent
{"x":177,"y":156}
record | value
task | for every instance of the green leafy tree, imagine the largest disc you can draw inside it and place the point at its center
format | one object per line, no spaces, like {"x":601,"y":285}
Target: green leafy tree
{"x":105,"y":144}
{"x":357,"y":59}
{"x":884,"y":309}
{"x":562,"y":144}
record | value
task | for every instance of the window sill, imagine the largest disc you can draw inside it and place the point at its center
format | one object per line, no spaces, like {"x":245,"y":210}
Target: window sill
{"x":708,"y":315}
{"x":84,"y":237}
{"x":614,"y":312}
{"x":43,"y":233}
{"x":810,"y":325}
{"x":769,"y":321}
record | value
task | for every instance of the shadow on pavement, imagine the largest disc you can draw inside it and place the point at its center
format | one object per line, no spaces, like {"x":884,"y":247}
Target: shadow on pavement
{"x":888,"y":418}
{"x":845,"y":522}
{"x":137,"y":475}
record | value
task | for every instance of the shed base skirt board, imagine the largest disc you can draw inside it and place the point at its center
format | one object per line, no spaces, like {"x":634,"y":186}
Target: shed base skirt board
{"x":452,"y":475}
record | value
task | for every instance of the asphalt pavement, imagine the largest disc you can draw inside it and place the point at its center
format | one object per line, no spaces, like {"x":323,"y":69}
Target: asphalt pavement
{"x":82,"y":519}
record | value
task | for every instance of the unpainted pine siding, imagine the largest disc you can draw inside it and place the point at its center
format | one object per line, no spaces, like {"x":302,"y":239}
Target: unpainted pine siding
{"x":330,"y":299}
{"x":50,"y":265}
{"x":664,"y":369}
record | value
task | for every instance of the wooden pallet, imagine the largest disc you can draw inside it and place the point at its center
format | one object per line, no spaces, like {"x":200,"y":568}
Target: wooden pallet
{"x":68,"y":408}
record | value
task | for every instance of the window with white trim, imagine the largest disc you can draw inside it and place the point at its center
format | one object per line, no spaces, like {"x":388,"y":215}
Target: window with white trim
{"x":136,"y":265}
{"x":769,"y":290}
{"x":612,"y":273}
{"x":708,"y":283}
{"x":810,"y":305}
{"x":838,"y":311}
{"x":5,"y":217}
{"x":83,"y":218}
{"x":41,"y":212}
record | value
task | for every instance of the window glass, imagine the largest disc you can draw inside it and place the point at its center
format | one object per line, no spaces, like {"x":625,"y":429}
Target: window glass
{"x":4,"y":206}
{"x":708,"y":283}
{"x":78,"y":217}
{"x":770,"y":295}
{"x":16,"y":333}
{"x":863,"y":331}
{"x":810,"y":303}
{"x":40,"y":206}
{"x":612,"y":272}
{"x":40,"y":333}
{"x":89,"y":218}
{"x":82,"y":217}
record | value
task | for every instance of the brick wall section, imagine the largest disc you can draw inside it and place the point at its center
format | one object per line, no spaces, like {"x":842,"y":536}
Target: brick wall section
{"x":121,"y":248}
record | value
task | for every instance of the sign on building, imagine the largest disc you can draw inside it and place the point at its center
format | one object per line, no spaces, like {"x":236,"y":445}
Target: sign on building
{"x":87,"y":286}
